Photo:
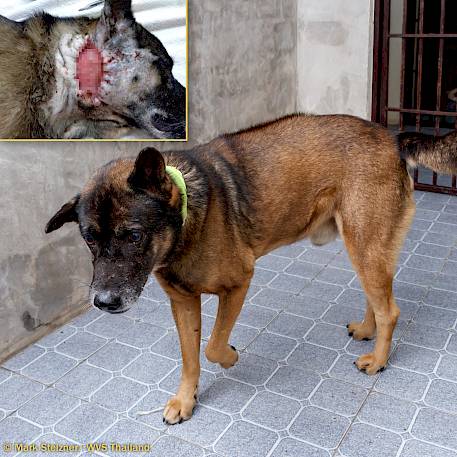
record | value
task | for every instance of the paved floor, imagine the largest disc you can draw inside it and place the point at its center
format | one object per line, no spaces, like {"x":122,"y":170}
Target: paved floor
{"x":295,"y":391}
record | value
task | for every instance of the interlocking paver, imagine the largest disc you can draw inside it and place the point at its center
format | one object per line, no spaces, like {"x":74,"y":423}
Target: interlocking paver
{"x":294,"y":391}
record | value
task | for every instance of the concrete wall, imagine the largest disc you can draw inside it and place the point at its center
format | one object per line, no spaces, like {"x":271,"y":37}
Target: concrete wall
{"x":334,"y":56}
{"x":242,"y":71}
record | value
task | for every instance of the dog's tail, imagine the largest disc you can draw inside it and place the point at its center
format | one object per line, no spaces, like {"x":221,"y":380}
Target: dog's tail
{"x":436,"y":153}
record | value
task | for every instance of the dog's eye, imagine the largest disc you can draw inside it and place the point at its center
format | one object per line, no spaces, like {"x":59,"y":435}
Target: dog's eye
{"x":89,"y":239}
{"x":135,"y":237}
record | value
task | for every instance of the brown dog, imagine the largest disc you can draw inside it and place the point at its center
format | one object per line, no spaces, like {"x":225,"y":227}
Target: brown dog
{"x":248,"y":193}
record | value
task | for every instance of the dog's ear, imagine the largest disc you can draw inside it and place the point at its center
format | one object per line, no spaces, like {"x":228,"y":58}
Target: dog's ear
{"x":117,"y":10}
{"x":65,"y":214}
{"x":149,"y":172}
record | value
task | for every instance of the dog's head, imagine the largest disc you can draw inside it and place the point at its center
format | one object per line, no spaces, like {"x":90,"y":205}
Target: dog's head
{"x":126,"y":68}
{"x":129,"y":215}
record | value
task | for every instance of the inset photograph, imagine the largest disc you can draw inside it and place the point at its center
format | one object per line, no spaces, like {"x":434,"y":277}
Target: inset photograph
{"x":93,"y":69}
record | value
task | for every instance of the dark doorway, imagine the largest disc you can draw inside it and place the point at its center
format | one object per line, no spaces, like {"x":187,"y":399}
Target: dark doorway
{"x":415,"y":73}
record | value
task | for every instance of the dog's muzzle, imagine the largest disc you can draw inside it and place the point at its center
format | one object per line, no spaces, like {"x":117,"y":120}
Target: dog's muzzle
{"x":107,"y":301}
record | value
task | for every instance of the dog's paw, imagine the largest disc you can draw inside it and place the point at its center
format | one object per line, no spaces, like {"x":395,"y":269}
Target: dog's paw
{"x":367,"y":363}
{"x":178,"y":409}
{"x":361,"y":331}
{"x":226,"y":358}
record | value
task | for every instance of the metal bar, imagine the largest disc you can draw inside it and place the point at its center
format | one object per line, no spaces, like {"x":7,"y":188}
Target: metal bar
{"x":419,"y":65}
{"x":403,"y":61}
{"x":423,"y":35}
{"x":423,"y":111}
{"x":385,"y":63}
{"x":434,"y":188}
{"x":377,"y":75}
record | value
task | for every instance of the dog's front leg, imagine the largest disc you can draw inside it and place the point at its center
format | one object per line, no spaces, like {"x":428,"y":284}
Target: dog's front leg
{"x":187,"y":315}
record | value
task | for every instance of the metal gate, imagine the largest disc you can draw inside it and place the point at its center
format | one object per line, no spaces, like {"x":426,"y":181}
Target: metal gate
{"x":415,"y":73}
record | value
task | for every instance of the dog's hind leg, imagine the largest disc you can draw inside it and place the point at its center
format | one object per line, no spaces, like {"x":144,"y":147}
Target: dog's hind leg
{"x":373,"y":249}
{"x":230,"y":303}
{"x":187,"y":315}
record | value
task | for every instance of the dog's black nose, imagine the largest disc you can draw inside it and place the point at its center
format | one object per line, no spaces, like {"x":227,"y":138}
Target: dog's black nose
{"x":107,"y":302}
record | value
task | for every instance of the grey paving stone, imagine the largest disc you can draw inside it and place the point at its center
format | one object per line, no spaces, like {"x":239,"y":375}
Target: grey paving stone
{"x":317,"y":255}
{"x":49,"y":367}
{"x":226,"y":395}
{"x":288,"y":447}
{"x":252,"y":369}
{"x":415,"y":235}
{"x":81,"y":345}
{"x":242,"y":336}
{"x":153,"y":291}
{"x":290,"y":325}
{"x":4,"y":375}
{"x":142,"y":308}
{"x":336,"y":276}
{"x":312,"y":356}
{"x":50,"y":439}
{"x":83,"y":381}
{"x":446,"y":282}
{"x":440,"y":238}
{"x":305,"y":270}
{"x":442,"y":395}
{"x":427,"y":215}
{"x":119,"y":394}
{"x":366,"y":441}
{"x":153,"y":401}
{"x":170,"y":445}
{"x":433,"y":206}
{"x":291,"y":250}
{"x":262,"y":277}
{"x":436,"y":317}
{"x":402,"y":384}
{"x":447,"y":367}
{"x":387,"y":412}
{"x":415,"y":448}
{"x":453,"y":255}
{"x":256,"y":316}
{"x":110,"y":325}
{"x":160,"y":315}
{"x":342,"y":260}
{"x":289,"y":283}
{"x":293,"y":382}
{"x":320,"y":427}
{"x":432,"y":250}
{"x":342,"y":315}
{"x":16,"y":430}
{"x":127,"y":431}
{"x":168,"y":346}
{"x":204,"y":428}
{"x":352,"y":298}
{"x":75,"y":425}
{"x":344,"y":369}
{"x":415,"y":276}
{"x":56,"y":337}
{"x":141,"y":335}
{"x":442,"y":299}
{"x":48,"y":407}
{"x":322,"y":290}
{"x":207,"y":326}
{"x":19,"y":361}
{"x":114,"y":356}
{"x":450,"y":268}
{"x":149,"y":368}
{"x":243,"y":439}
{"x":425,"y":263}
{"x":274,"y":262}
{"x":272,"y":346}
{"x":408,"y":291}
{"x":419,"y":224}
{"x":426,"y":336}
{"x":86,"y":317}
{"x":16,"y":391}
{"x":452,"y":345}
{"x":271,"y":410}
{"x":339,"y":396}
{"x":331,"y":336}
{"x":408,"y":309}
{"x":414,"y":358}
{"x":171,"y":382}
{"x":436,"y":427}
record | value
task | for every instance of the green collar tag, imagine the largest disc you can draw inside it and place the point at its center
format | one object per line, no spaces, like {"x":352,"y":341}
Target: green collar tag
{"x":178,"y":181}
